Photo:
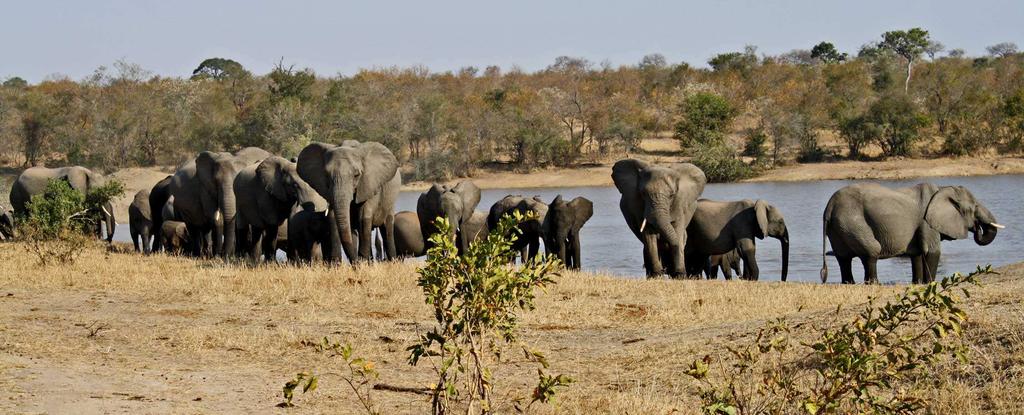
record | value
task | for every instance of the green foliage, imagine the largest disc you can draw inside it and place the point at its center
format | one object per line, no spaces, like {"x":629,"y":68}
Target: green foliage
{"x":14,"y":82}
{"x":219,"y":69}
{"x":827,"y":53}
{"x":720,"y":164}
{"x":308,"y":382}
{"x":290,"y":83}
{"x":896,"y":123}
{"x":743,"y":62}
{"x":856,"y":367}
{"x":360,"y":375}
{"x":476,"y":298}
{"x":57,"y":223}
{"x":1013,"y":120}
{"x":704,"y":119}
{"x":909,"y":44}
{"x":754,"y":145}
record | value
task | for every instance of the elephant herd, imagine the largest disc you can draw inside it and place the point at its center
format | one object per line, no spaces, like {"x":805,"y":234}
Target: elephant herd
{"x":338,"y":200}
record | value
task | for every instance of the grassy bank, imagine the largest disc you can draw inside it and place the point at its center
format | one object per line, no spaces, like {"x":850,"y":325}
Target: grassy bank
{"x":121,"y":332}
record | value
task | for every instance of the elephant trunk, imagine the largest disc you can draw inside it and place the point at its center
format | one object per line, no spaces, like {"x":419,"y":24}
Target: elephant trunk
{"x":341,"y":204}
{"x":662,"y":223}
{"x":108,"y":216}
{"x":985,"y":226}
{"x":784,"y":240}
{"x":227,"y":209}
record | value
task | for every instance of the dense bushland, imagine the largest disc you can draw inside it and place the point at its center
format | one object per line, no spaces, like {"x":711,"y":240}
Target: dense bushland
{"x":899,"y":96}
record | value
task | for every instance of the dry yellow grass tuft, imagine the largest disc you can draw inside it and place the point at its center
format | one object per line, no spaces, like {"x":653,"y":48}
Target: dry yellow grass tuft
{"x":122,"y":332}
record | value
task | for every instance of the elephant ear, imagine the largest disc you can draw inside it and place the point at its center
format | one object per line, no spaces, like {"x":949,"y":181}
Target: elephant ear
{"x":428,"y":206}
{"x":379,"y":167}
{"x":626,"y":175}
{"x":312,"y":168}
{"x":945,"y":213}
{"x":761,"y":213}
{"x":470,"y":197}
{"x":267,"y":173}
{"x":582,"y":209}
{"x":206,"y":163}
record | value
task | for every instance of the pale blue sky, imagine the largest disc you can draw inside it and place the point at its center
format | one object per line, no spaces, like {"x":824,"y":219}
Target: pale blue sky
{"x":170,"y":38}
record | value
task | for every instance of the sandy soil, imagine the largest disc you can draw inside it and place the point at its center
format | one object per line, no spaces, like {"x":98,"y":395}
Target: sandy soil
{"x":121,"y":333}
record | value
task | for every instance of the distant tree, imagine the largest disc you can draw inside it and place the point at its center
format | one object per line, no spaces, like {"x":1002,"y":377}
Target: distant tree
{"x":570,"y":64}
{"x":1002,"y":50}
{"x":742,"y":61}
{"x":827,"y":53}
{"x":653,"y":61}
{"x":15,"y":82}
{"x":219,"y":69}
{"x":956,"y":53}
{"x":896,"y":123}
{"x":290,"y":83}
{"x":705,"y":118}
{"x":933,"y":49}
{"x":797,"y":57}
{"x":909,"y":44}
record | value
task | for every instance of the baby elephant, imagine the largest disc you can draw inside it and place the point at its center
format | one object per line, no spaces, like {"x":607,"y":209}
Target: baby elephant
{"x":175,"y":236}
{"x":140,"y":221}
{"x":6,"y":224}
{"x":720,"y":227}
{"x":561,"y":228}
{"x":729,"y":263}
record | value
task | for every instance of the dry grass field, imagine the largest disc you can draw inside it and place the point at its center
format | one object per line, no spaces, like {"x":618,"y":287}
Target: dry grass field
{"x":121,"y":333}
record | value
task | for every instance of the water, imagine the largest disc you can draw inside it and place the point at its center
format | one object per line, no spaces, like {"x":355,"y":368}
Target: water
{"x":609,"y":247}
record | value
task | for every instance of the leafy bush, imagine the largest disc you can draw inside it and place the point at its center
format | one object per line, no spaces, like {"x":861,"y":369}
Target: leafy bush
{"x":360,"y":374}
{"x":720,"y":164}
{"x":857,"y":132}
{"x":705,"y":118}
{"x":856,"y":367}
{"x":754,"y":146}
{"x":57,"y":223}
{"x":477,"y":297}
{"x":896,"y":122}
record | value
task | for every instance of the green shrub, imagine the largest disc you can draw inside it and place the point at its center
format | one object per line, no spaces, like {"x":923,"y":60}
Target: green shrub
{"x":704,"y":119}
{"x":720,"y":164}
{"x":58,"y":222}
{"x":896,"y":121}
{"x":855,"y":367}
{"x":755,"y":143}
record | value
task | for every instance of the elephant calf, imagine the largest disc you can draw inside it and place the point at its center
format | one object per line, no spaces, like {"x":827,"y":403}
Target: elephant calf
{"x":309,"y":233}
{"x":561,"y":228}
{"x":729,"y":263}
{"x":6,"y":224}
{"x":175,"y":237}
{"x":528,"y":242}
{"x":140,"y":222}
{"x":871,"y":222}
{"x":720,"y":227}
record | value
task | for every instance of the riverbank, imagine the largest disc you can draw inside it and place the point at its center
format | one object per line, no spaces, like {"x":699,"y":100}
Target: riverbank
{"x":118,"y":332}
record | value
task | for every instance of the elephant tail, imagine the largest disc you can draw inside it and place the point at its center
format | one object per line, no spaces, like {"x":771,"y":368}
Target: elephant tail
{"x":824,"y":241}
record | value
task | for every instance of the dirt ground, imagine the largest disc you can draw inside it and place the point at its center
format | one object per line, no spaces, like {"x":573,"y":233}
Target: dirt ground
{"x":122,"y":333}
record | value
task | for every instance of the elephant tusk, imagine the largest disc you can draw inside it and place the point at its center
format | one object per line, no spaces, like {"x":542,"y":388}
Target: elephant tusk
{"x":325,"y":213}
{"x":643,"y":225}
{"x":216,"y":216}
{"x":105,"y":211}
{"x":997,"y":226}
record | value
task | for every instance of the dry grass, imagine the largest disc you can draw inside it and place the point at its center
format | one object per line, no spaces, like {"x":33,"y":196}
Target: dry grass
{"x":121,"y":332}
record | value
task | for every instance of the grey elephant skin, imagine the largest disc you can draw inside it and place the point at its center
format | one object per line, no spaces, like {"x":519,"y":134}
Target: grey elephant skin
{"x":728,"y":262}
{"x":531,"y":231}
{"x":204,"y":197}
{"x":308,"y":235}
{"x":6,"y":224}
{"x":561,"y":228}
{"x":33,"y":182}
{"x":657,"y":203}
{"x":158,"y":197}
{"x":410,"y":241}
{"x":872,"y":222}
{"x":360,"y":182}
{"x":175,"y":237}
{"x":455,"y":203}
{"x":140,"y":221}
{"x":718,"y":227}
{"x":266,"y":193}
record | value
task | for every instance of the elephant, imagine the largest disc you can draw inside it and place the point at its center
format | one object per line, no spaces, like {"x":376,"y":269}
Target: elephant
{"x":361,"y":182}
{"x":6,"y":224}
{"x":33,"y":182}
{"x":664,"y":197}
{"x":528,"y":242}
{"x":140,"y":222}
{"x":561,"y":228}
{"x":158,"y":196}
{"x":454,"y":203}
{"x":308,"y":233}
{"x":175,"y":236}
{"x":204,"y":196}
{"x":719,"y":227}
{"x":872,"y":222}
{"x":409,"y":241}
{"x":729,"y":262}
{"x":265,"y":196}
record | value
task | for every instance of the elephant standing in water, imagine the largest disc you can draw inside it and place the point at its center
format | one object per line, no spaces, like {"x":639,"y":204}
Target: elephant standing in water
{"x":361,"y":182}
{"x":158,"y":197}
{"x":872,"y":222}
{"x":204,"y":197}
{"x":528,"y":241}
{"x":33,"y":182}
{"x":140,"y":222}
{"x":720,"y":227}
{"x":658,"y":203}
{"x":455,"y":203}
{"x":561,"y":228}
{"x":266,"y":194}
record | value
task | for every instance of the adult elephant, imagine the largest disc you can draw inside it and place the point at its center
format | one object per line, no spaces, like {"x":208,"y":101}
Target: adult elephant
{"x":561,"y":228}
{"x":204,"y":197}
{"x":528,"y":241}
{"x":872,"y":222}
{"x":454,"y":203}
{"x":657,"y":203}
{"x":6,"y":224}
{"x":33,"y":182}
{"x":361,"y":182}
{"x":158,"y":197}
{"x":140,"y":221}
{"x":265,"y":195}
{"x":720,"y":227}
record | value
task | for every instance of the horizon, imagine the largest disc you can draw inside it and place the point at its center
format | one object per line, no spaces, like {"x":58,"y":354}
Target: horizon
{"x":68,"y":39}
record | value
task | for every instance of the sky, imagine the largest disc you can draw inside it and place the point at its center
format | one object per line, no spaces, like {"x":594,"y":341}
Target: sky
{"x":45,"y":38}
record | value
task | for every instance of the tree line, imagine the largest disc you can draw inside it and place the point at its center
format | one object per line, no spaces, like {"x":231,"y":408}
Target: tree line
{"x":902,"y":95}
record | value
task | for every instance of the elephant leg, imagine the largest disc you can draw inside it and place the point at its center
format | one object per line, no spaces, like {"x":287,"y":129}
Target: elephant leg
{"x":378,"y":245}
{"x":135,"y":240}
{"x":534,"y":248}
{"x":366,"y":239}
{"x":196,"y":242}
{"x":574,"y":241}
{"x":917,"y":269}
{"x":931,"y":260}
{"x":846,"y":268}
{"x":389,"y":238}
{"x":217,"y":241}
{"x":870,"y":269}
{"x":269,"y":244}
{"x":748,"y":252}
{"x":146,"y":244}
{"x":651,"y":252}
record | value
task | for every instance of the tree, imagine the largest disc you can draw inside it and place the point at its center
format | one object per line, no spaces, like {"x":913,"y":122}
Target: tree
{"x":704,"y":120}
{"x":290,"y":83}
{"x":653,"y":61}
{"x":896,"y":123}
{"x":741,"y":61}
{"x":909,"y":44}
{"x":219,"y":69}
{"x":1002,"y":50}
{"x":15,"y":82}
{"x":827,"y":53}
